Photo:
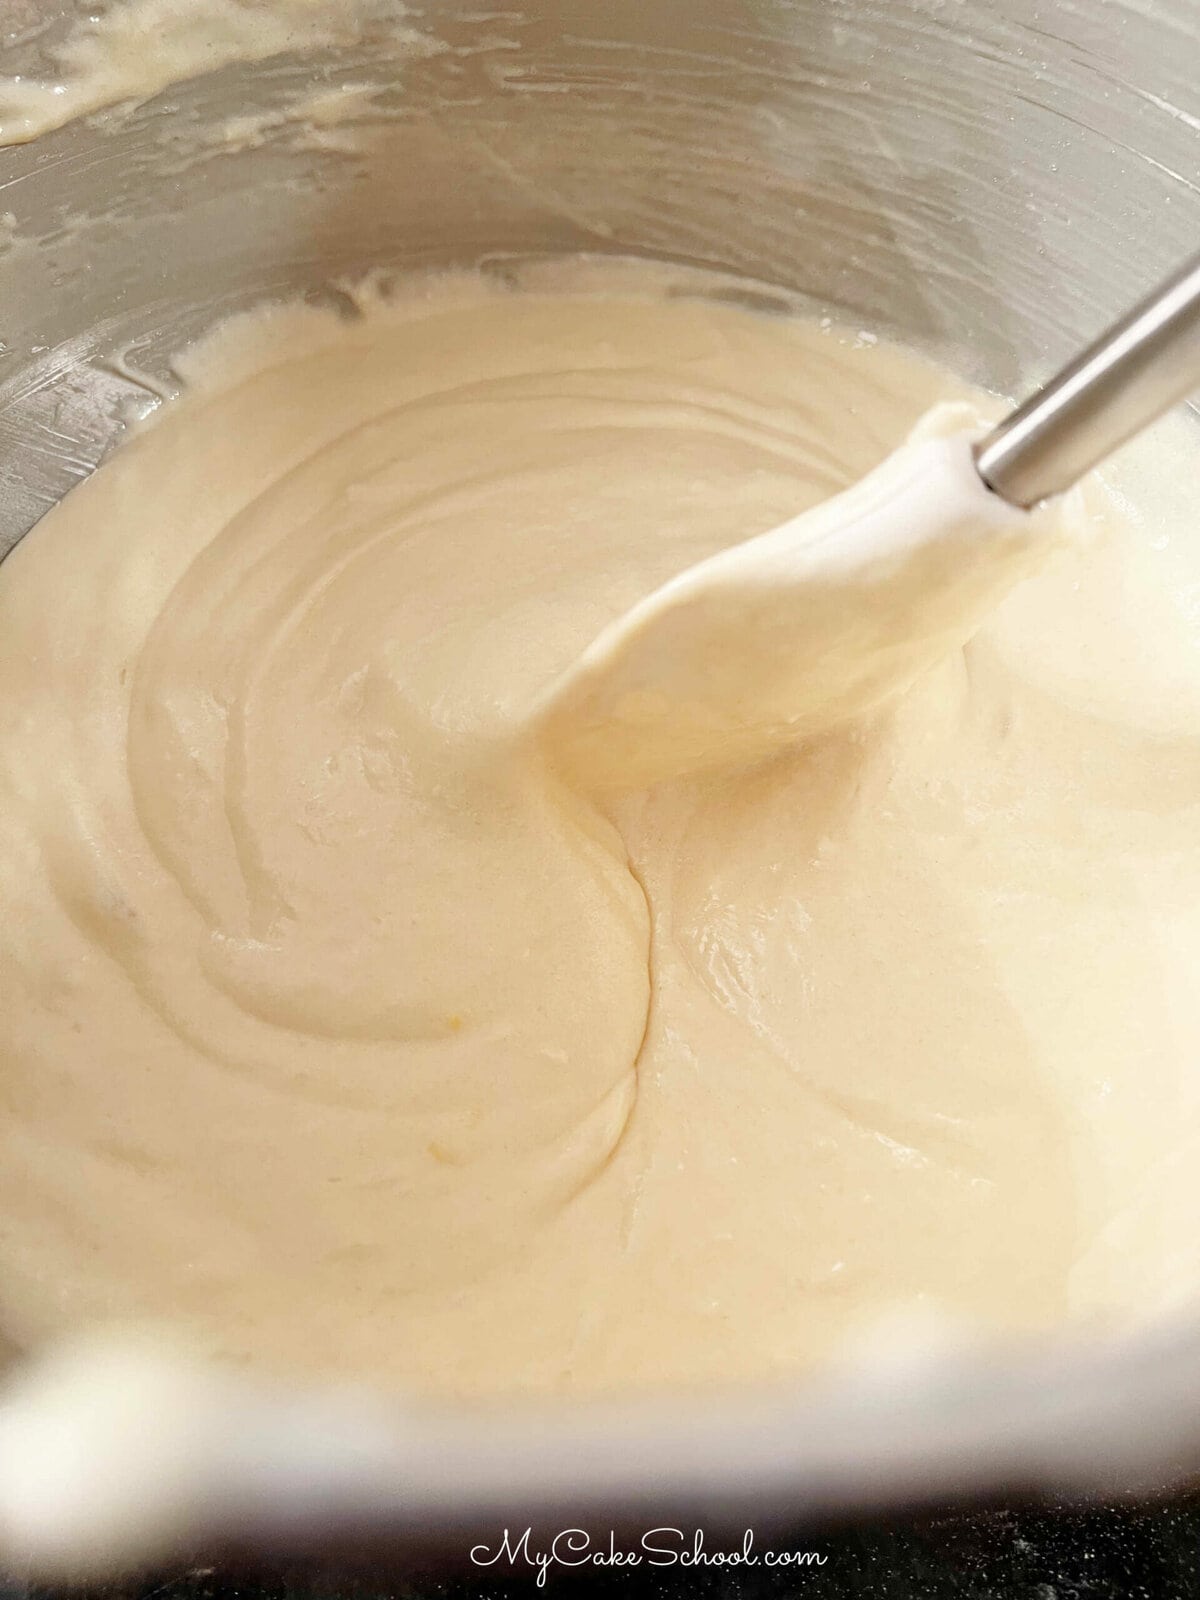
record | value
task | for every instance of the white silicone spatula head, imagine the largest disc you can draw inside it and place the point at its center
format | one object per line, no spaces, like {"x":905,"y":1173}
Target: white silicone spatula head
{"x":801,"y":630}
{"x":823,"y":620}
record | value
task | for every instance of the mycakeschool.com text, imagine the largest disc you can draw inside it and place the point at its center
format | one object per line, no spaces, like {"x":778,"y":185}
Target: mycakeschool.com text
{"x":517,"y":1550}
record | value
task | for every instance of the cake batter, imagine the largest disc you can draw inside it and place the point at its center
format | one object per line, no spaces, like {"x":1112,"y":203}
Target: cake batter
{"x":342,"y":1030}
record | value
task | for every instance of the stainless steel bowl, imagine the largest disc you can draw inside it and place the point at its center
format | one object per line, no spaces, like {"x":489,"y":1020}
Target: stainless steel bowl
{"x":990,"y":180}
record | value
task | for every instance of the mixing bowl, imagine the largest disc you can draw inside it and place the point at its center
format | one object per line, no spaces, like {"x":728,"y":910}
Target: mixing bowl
{"x":988,"y":180}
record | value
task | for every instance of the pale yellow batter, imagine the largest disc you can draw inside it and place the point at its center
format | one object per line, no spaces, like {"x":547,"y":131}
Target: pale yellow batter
{"x":340,"y":1030}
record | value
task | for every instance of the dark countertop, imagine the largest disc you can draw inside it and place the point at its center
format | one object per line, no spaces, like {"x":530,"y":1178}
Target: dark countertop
{"x":1137,"y":1551}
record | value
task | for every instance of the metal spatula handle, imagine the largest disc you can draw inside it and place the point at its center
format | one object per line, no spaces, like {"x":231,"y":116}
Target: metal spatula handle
{"x":1140,"y":368}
